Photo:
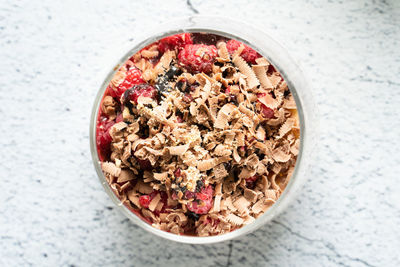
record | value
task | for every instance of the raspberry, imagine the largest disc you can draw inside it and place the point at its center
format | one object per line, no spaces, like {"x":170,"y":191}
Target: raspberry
{"x":248,"y":53}
{"x":133,"y":76}
{"x":251,"y":181}
{"x":137,"y":90}
{"x":203,"y":201}
{"x":144,"y":201}
{"x":198,"y":57}
{"x":103,"y":138}
{"x":174,"y":41}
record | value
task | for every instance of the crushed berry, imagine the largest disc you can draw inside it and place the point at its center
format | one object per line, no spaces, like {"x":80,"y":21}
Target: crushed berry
{"x":103,"y":138}
{"x":271,"y":69}
{"x":203,"y":201}
{"x":133,"y":76}
{"x":248,"y":53}
{"x":189,"y":194}
{"x":266,"y":111}
{"x":207,"y":220}
{"x":187,"y":98}
{"x":174,"y":41}
{"x":251,"y":181}
{"x":198,"y":57}
{"x":178,"y":172}
{"x":164,"y":200}
{"x":133,"y":93}
{"x":144,"y":201}
{"x":153,"y":194}
{"x":119,"y":118}
{"x":193,"y":87}
{"x":145,"y":165}
{"x":205,"y":38}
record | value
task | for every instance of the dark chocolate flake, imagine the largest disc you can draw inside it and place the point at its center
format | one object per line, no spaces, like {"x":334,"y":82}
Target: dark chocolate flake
{"x":199,"y":185}
{"x":173,"y":71}
{"x":193,"y":216}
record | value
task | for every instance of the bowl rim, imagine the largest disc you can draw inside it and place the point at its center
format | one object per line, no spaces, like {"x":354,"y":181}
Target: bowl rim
{"x":205,"y":24}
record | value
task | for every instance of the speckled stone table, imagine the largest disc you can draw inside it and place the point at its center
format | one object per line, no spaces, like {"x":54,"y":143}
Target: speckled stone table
{"x":53,"y":210}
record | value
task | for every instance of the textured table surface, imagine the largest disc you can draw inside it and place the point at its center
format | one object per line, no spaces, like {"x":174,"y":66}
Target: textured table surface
{"x":53,"y":210}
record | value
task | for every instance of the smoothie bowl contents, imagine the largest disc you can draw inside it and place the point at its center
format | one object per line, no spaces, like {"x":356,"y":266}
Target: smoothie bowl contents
{"x":197,"y":134}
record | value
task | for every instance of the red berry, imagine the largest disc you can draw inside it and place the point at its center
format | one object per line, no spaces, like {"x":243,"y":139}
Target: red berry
{"x":133,"y":76}
{"x":179,"y":119}
{"x":228,"y":90}
{"x":164,"y":200}
{"x":203,"y":201}
{"x":187,"y":98}
{"x":266,"y":111}
{"x":174,"y":41}
{"x":207,"y":220}
{"x":177,"y":172}
{"x":119,"y":118}
{"x":190,"y":194}
{"x":216,"y":222}
{"x":153,"y":194}
{"x":164,"y":196}
{"x":251,"y":181}
{"x":248,"y":53}
{"x":144,"y":201}
{"x":103,"y":138}
{"x":193,"y":88}
{"x":198,"y":57}
{"x":133,"y":93}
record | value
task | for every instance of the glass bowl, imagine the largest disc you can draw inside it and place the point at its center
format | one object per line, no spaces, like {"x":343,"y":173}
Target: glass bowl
{"x":289,"y":69}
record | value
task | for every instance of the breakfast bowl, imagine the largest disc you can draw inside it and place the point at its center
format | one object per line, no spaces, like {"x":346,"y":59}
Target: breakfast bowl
{"x":204,"y":130}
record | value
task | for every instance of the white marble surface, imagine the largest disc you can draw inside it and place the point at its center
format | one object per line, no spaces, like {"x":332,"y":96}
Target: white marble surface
{"x":53,"y":210}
